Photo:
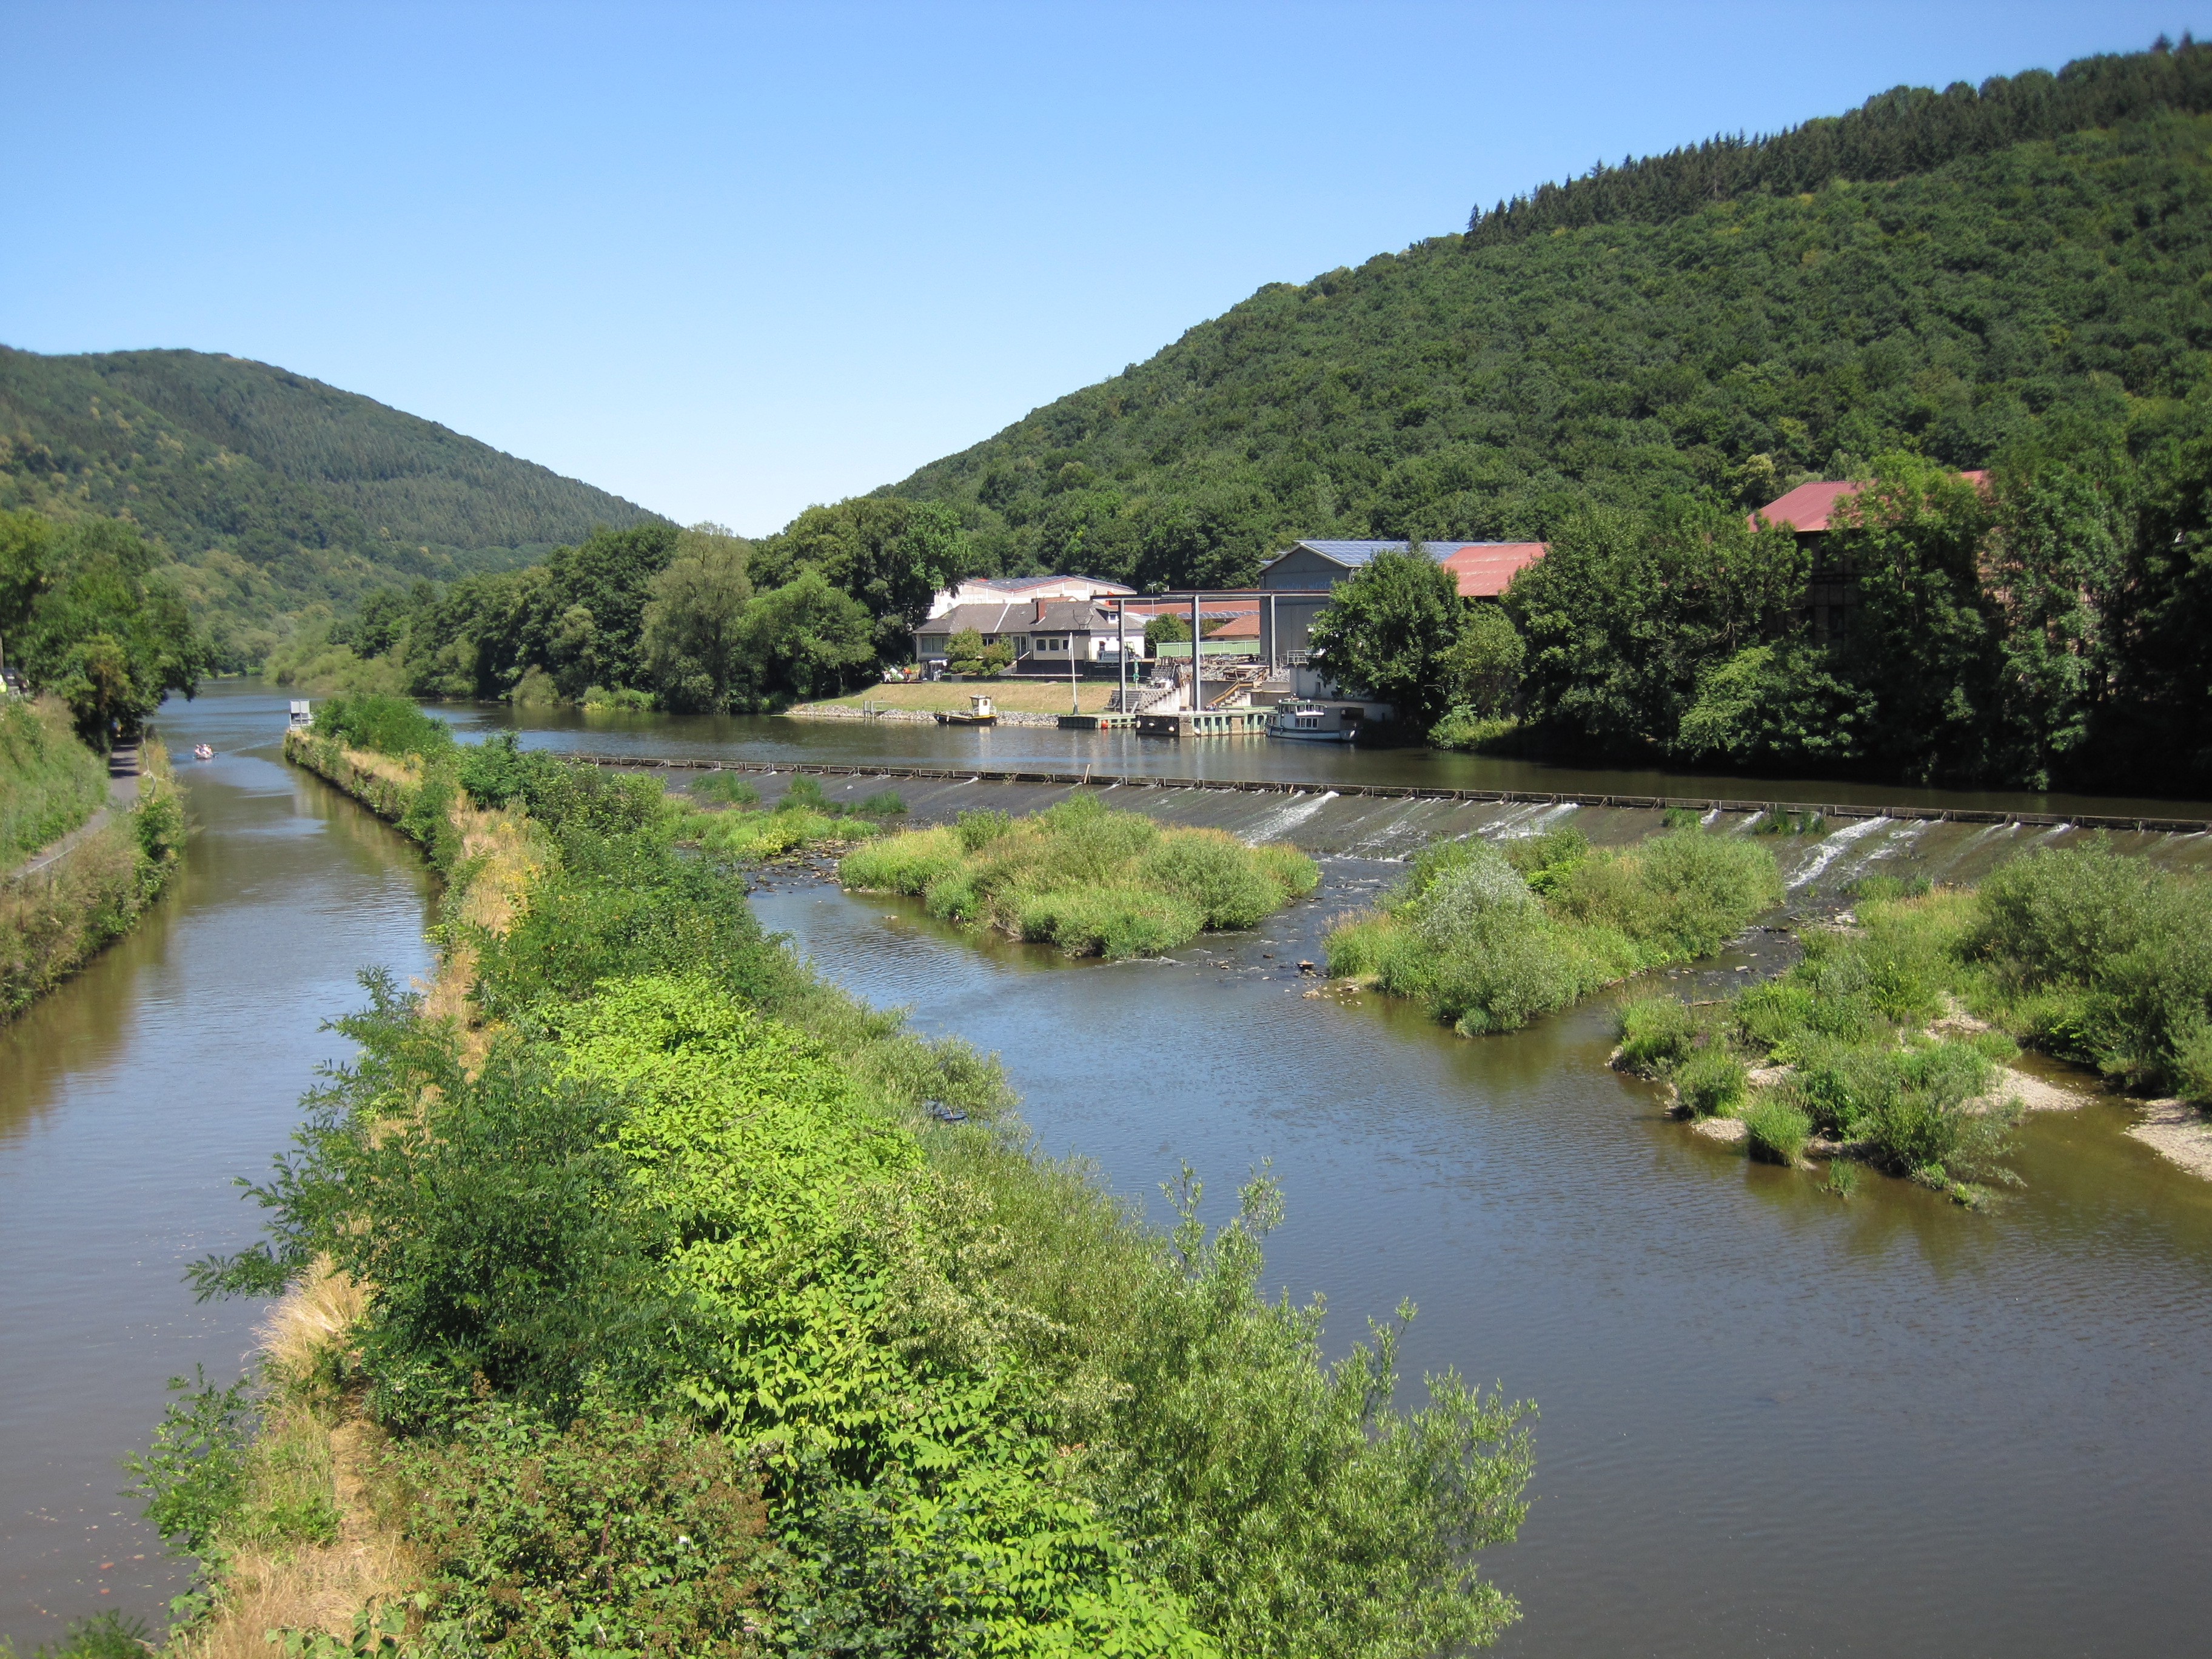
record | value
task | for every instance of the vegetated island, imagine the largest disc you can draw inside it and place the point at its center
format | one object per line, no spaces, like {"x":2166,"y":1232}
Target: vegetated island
{"x":1885,"y":1044}
{"x":1093,"y":881}
{"x":1488,"y":936}
{"x":644,"y":1292}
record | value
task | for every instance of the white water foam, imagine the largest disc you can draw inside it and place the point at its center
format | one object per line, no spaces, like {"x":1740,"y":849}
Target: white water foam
{"x":1283,"y":819}
{"x":1833,"y":847}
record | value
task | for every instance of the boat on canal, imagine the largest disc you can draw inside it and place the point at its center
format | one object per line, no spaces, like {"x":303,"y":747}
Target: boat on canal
{"x":980,"y":712}
{"x":1315,"y":722}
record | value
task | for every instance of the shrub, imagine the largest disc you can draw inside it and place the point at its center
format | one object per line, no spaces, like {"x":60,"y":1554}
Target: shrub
{"x":646,"y":1533}
{"x":901,"y":864}
{"x":883,"y":804}
{"x":1490,"y":936}
{"x":1777,"y":1131}
{"x":1090,"y":880}
{"x":1215,"y":873}
{"x":979,"y":830}
{"x":387,"y":725}
{"x":1711,"y":1083}
{"x":2103,"y":958}
{"x":1657,"y":1034}
{"x":731,"y":788}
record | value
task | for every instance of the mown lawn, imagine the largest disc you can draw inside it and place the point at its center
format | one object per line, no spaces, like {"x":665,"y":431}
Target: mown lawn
{"x":1027,"y":696}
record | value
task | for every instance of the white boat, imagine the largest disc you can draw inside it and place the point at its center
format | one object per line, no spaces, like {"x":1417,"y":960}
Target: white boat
{"x":1314,"y":722}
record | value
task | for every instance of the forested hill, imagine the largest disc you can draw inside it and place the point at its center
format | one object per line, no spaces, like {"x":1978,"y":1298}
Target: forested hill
{"x":273,"y":493}
{"x":1489,"y":386}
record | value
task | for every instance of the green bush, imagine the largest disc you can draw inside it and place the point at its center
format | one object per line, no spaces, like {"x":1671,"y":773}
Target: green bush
{"x":1490,"y":936}
{"x":2105,"y":959}
{"x":1777,"y":1131}
{"x":979,"y":830}
{"x":1657,"y":1034}
{"x":731,"y":788}
{"x":1088,"y":880}
{"x":644,"y":1532}
{"x":387,"y":725}
{"x":1711,"y":1083}
{"x":883,"y":804}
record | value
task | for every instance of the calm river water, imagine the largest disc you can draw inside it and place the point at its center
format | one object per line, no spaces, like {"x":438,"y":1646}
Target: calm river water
{"x":1773,"y":1423}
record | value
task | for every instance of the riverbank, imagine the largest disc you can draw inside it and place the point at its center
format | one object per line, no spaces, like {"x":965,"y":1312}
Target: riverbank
{"x":854,"y":1184}
{"x":60,"y":906}
{"x":1891,"y":1043}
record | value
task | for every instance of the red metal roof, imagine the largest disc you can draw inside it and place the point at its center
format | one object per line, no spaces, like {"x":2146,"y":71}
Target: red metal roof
{"x":1808,"y":505}
{"x":1484,"y":568}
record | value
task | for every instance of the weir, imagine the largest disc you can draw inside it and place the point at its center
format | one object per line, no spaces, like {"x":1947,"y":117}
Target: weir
{"x":1837,"y":846}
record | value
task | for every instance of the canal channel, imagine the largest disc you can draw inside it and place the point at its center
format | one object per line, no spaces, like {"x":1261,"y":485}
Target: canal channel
{"x":1773,"y":1422}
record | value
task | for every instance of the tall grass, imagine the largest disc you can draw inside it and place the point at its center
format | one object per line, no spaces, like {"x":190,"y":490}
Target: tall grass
{"x":1489,"y":937}
{"x":1849,"y":1027}
{"x":54,"y":921}
{"x":50,"y":783}
{"x":1091,"y":881}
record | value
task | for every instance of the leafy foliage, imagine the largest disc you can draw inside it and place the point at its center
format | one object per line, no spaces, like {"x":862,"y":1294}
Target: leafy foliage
{"x":85,"y":616}
{"x":700,"y":1335}
{"x":1091,"y":881}
{"x":1906,"y":129}
{"x":386,"y":724}
{"x":1490,"y":937}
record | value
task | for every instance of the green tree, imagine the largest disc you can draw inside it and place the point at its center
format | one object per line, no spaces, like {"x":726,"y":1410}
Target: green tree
{"x":694,"y":621}
{"x":1390,"y":631}
{"x":890,"y":555}
{"x":1925,"y":639}
{"x":96,"y":627}
{"x":1482,"y":670}
{"x":806,"y":639}
{"x":1625,"y":612}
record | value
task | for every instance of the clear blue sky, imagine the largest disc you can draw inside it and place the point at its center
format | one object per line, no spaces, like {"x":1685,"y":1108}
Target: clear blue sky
{"x":729,"y":259}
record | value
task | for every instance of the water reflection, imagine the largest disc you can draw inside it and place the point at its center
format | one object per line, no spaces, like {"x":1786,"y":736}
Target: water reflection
{"x":906,"y":743}
{"x":130,"y":1099}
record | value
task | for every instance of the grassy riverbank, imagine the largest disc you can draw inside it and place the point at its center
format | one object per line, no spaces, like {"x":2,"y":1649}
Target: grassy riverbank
{"x":658,"y":1298}
{"x":56,"y":918}
{"x":1488,"y":936}
{"x":1091,"y":881}
{"x":50,"y":783}
{"x":1886,"y":1043}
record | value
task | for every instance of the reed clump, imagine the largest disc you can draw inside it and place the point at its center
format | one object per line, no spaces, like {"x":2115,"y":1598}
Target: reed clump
{"x":1489,"y":936}
{"x":1091,"y":881}
{"x":804,"y":818}
{"x":1854,"y":1049}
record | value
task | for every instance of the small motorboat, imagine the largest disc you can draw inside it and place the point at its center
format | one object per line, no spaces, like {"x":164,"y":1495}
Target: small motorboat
{"x":203,"y":752}
{"x":979,"y":712}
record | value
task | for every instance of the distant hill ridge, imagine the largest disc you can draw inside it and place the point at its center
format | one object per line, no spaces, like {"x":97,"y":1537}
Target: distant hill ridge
{"x":274,"y":492}
{"x":1906,"y":129}
{"x":1984,"y":292}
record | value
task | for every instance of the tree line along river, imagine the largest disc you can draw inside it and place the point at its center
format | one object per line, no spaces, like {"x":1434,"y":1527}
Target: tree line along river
{"x":1773,"y":1422}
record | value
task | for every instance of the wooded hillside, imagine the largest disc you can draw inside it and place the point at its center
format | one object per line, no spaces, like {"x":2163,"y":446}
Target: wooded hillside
{"x":273,"y":493}
{"x":1620,"y":345}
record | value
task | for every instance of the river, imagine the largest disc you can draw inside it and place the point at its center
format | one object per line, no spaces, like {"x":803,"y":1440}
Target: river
{"x":1773,"y":1423}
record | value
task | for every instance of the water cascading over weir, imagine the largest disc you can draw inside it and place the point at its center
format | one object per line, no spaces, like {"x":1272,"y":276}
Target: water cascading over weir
{"x":1823,"y":849}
